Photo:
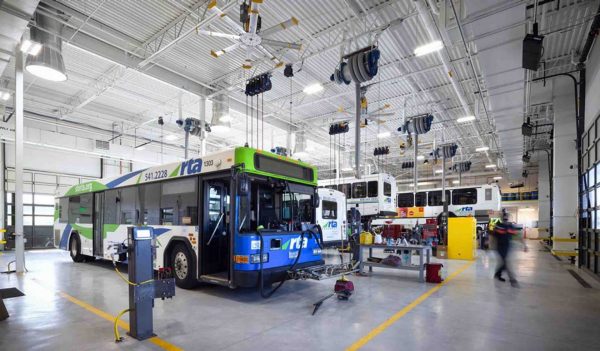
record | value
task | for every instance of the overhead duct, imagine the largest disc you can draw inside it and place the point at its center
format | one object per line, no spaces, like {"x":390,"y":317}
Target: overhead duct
{"x":48,"y":63}
{"x":221,"y":119}
{"x":300,"y":145}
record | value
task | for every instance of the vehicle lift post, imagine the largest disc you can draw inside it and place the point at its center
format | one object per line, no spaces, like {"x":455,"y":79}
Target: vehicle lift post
{"x":143,"y":289}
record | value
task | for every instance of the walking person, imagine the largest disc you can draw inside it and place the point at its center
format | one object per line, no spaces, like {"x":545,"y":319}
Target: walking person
{"x":504,"y":232}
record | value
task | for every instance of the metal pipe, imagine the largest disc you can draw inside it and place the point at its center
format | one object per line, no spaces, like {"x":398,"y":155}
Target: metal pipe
{"x":202,"y":113}
{"x":19,"y":159}
{"x":357,"y":131}
{"x":415,"y":170}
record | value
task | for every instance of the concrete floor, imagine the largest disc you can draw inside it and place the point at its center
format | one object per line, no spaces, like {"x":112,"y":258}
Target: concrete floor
{"x":551,"y":310}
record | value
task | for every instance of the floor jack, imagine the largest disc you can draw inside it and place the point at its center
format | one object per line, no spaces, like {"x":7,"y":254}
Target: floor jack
{"x":343,"y":289}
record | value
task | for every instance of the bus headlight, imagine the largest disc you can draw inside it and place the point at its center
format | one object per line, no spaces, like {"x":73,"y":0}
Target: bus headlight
{"x":316,"y":251}
{"x":256,"y":258}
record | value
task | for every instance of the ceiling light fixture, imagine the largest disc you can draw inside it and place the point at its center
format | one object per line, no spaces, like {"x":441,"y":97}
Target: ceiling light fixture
{"x":456,"y":182}
{"x":48,"y":63}
{"x":313,"y":89}
{"x":491,"y":166}
{"x":4,"y":95}
{"x":438,"y":171}
{"x":29,"y":47}
{"x":465,"y":119}
{"x":383,"y":135}
{"x":428,"y":48}
{"x":497,"y":177}
{"x":420,"y":157}
{"x":482,"y":149}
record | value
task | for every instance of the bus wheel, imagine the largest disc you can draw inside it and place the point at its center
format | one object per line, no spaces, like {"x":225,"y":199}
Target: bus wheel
{"x":75,"y":249}
{"x":183,"y":267}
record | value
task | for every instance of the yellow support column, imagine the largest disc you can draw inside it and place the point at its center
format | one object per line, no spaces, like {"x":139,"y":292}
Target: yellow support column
{"x":462,"y":238}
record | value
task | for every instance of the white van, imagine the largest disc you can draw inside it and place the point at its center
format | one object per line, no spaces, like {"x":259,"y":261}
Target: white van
{"x":331,"y":215}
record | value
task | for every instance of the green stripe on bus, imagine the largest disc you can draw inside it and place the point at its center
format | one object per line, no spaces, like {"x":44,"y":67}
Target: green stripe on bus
{"x":87,"y":187}
{"x":83,"y":231}
{"x":109,"y":228}
{"x":175,"y":173}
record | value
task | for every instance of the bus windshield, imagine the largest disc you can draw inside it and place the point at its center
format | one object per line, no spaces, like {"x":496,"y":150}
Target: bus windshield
{"x":282,"y":206}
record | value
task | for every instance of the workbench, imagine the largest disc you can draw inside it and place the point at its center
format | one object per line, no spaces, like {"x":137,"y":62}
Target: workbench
{"x":424,"y":256}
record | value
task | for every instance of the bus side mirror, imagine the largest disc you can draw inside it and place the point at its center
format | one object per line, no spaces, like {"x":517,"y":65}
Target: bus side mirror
{"x":316,"y":200}
{"x":243,"y":184}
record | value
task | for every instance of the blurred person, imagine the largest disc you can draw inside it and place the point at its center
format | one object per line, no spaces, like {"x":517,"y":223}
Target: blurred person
{"x":504,"y":232}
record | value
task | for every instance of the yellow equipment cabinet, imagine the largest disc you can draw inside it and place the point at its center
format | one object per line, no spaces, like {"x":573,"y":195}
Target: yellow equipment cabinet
{"x":462,"y":238}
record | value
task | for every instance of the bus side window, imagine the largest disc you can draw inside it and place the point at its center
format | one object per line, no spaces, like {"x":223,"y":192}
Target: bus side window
{"x":406,"y":200}
{"x":359,"y":190}
{"x":150,"y":203}
{"x":128,"y":201}
{"x":80,"y":209}
{"x":488,"y":194}
{"x":387,"y":189}
{"x":178,"y":204}
{"x":372,"y":188}
{"x":345,"y":188}
{"x":111,"y":206}
{"x":421,"y":199}
{"x":63,"y":210}
{"x":329,"y":210}
{"x":466,"y":196}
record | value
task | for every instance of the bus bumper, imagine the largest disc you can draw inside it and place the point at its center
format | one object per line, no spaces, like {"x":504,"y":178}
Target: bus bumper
{"x":249,"y":279}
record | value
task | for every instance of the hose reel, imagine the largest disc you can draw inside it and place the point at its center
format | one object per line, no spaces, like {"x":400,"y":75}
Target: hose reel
{"x":462,"y":167}
{"x":417,"y":125}
{"x":448,"y":150}
{"x":360,"y":66}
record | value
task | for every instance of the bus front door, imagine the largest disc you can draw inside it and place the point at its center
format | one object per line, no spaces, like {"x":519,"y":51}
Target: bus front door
{"x":98,"y":245}
{"x":215,"y":236}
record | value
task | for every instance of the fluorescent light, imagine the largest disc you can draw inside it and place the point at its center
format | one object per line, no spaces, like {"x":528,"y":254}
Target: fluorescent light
{"x":482,"y":149}
{"x":428,"y":48}
{"x":313,"y":88}
{"x":491,"y":166}
{"x":497,"y":177}
{"x":225,"y":118}
{"x":456,"y":182}
{"x":30,"y":48}
{"x":420,"y":157}
{"x":171,"y":137}
{"x":438,"y":171}
{"x":465,"y":119}
{"x":383,"y":135}
{"x":4,"y":95}
{"x":47,"y":73}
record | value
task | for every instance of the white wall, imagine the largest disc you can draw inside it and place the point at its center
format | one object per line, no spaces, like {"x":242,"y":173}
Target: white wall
{"x":564,"y":184}
{"x":55,"y":161}
{"x":592,"y":86}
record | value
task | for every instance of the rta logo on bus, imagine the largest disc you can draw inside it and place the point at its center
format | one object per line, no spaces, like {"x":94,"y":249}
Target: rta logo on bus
{"x":191,"y":167}
{"x":330,"y":225}
{"x":295,"y":243}
{"x":83,"y":188}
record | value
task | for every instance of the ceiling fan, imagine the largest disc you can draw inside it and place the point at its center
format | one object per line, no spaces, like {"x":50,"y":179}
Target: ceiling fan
{"x":249,"y":35}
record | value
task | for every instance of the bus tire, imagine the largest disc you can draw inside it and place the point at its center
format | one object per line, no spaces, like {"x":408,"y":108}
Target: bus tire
{"x":184,"y":269}
{"x":75,"y":248}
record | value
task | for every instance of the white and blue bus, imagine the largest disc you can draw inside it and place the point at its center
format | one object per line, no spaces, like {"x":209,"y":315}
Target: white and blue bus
{"x":209,"y":216}
{"x":476,"y":201}
{"x":373,"y":194}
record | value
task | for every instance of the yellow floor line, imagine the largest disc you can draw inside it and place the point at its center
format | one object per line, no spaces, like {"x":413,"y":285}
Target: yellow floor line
{"x":383,"y":326}
{"x":165,"y":345}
